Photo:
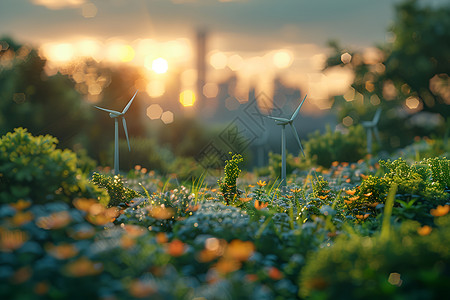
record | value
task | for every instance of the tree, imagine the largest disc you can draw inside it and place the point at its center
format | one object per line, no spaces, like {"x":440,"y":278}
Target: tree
{"x":405,"y":76}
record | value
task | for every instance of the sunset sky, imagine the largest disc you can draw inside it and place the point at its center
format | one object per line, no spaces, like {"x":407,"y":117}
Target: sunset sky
{"x":257,"y":40}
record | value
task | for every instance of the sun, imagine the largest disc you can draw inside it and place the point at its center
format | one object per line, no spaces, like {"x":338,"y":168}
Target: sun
{"x":160,"y":65}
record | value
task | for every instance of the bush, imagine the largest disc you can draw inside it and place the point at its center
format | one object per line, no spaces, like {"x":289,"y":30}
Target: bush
{"x":405,"y":266}
{"x":118,"y":193}
{"x":323,"y":149}
{"x":32,"y":168}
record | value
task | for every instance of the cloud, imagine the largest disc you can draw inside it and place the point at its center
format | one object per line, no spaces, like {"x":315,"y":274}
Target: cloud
{"x":59,"y":4}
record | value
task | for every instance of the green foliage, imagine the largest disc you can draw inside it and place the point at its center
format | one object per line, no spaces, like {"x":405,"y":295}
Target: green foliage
{"x":323,"y":149}
{"x":440,"y":170}
{"x":227,"y":184}
{"x":32,"y":168}
{"x":406,"y":266}
{"x":118,"y":193}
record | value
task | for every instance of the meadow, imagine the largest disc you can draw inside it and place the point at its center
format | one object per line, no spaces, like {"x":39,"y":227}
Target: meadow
{"x":372,"y":229}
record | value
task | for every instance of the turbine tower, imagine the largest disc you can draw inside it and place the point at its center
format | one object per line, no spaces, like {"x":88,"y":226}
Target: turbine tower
{"x":116,"y":115}
{"x":371,"y":128}
{"x":283,"y":122}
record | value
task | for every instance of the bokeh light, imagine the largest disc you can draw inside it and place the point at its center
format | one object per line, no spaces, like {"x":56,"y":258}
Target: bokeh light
{"x":154,"y":111}
{"x":412,"y":102}
{"x":347,"y":121}
{"x":235,"y":62}
{"x":160,"y":65}
{"x":210,"y":90}
{"x":218,"y":60}
{"x":282,"y":59}
{"x":346,"y":58}
{"x":187,"y":98}
{"x":167,"y":117}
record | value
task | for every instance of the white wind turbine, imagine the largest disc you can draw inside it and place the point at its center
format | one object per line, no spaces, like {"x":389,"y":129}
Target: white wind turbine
{"x":116,"y":115}
{"x":283,"y":122}
{"x":371,"y":128}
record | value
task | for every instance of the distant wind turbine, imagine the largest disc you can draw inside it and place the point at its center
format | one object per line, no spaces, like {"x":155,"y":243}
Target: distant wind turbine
{"x":283,"y":122}
{"x":116,"y":115}
{"x":371,"y":128}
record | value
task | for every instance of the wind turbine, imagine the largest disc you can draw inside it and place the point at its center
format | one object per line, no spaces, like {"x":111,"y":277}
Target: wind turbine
{"x":116,"y":115}
{"x":371,"y":128}
{"x":283,"y":122}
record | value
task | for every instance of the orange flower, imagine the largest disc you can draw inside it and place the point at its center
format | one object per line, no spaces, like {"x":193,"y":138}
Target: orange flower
{"x":353,"y":198}
{"x":335,"y":164}
{"x":62,"y":251}
{"x":373,"y":204}
{"x":176,"y":248}
{"x":348,"y":180}
{"x":440,"y":210}
{"x":362,"y":217}
{"x":127,"y":241}
{"x":22,"y":218}
{"x":84,"y":204}
{"x":141,"y":289}
{"x":260,"y":205}
{"x":274,"y":273}
{"x":296,"y":190}
{"x":12,"y":239}
{"x":83,"y":267}
{"x":239,"y":250}
{"x":348,"y":202}
{"x":425,"y":230}
{"x":364,"y":177}
{"x":344,"y":164}
{"x":368,"y":194}
{"x":251,"y":186}
{"x":246,"y":199}
{"x":161,"y":238}
{"x":54,"y":221}
{"x":134,"y":230}
{"x":160,"y":212}
{"x":227,"y":265}
{"x":323,"y":197}
{"x":350,"y":192}
{"x":21,"y":204}
{"x":261,"y":183}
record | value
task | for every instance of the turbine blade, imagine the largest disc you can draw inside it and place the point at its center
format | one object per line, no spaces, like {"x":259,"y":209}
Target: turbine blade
{"x":129,"y":103}
{"x":278,"y":119}
{"x":298,"y":109}
{"x":107,"y":110}
{"x":126,"y":132}
{"x":296,"y":137}
{"x":376,"y":118}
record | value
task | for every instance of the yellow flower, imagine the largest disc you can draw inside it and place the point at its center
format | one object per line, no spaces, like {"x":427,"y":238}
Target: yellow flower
{"x":261,"y":183}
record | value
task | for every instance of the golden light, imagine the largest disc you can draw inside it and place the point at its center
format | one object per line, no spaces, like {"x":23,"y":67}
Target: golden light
{"x":412,"y":102}
{"x":235,"y":62}
{"x":346,"y":58}
{"x":167,"y":117}
{"x":347,"y":121}
{"x":187,"y":98}
{"x":160,"y":65}
{"x":118,"y":51}
{"x":89,"y":10}
{"x":89,"y":48}
{"x":59,"y":52}
{"x":154,"y":111}
{"x":126,"y":53}
{"x":210,"y":90}
{"x":156,"y":88}
{"x":218,"y":60}
{"x":282,"y":59}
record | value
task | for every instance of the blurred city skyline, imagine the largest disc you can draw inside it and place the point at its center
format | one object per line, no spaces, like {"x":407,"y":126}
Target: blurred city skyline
{"x":204,"y":43}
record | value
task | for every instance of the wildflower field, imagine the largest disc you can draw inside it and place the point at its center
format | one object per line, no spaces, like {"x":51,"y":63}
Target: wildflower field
{"x":373,"y":229}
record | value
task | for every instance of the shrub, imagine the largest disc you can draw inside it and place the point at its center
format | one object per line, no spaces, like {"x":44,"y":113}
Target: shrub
{"x":405,"y":266}
{"x":118,"y":193}
{"x":32,"y":168}
{"x":323,"y":149}
{"x":227,"y":184}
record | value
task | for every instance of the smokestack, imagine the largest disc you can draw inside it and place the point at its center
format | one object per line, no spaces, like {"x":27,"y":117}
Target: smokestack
{"x":201,"y":65}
